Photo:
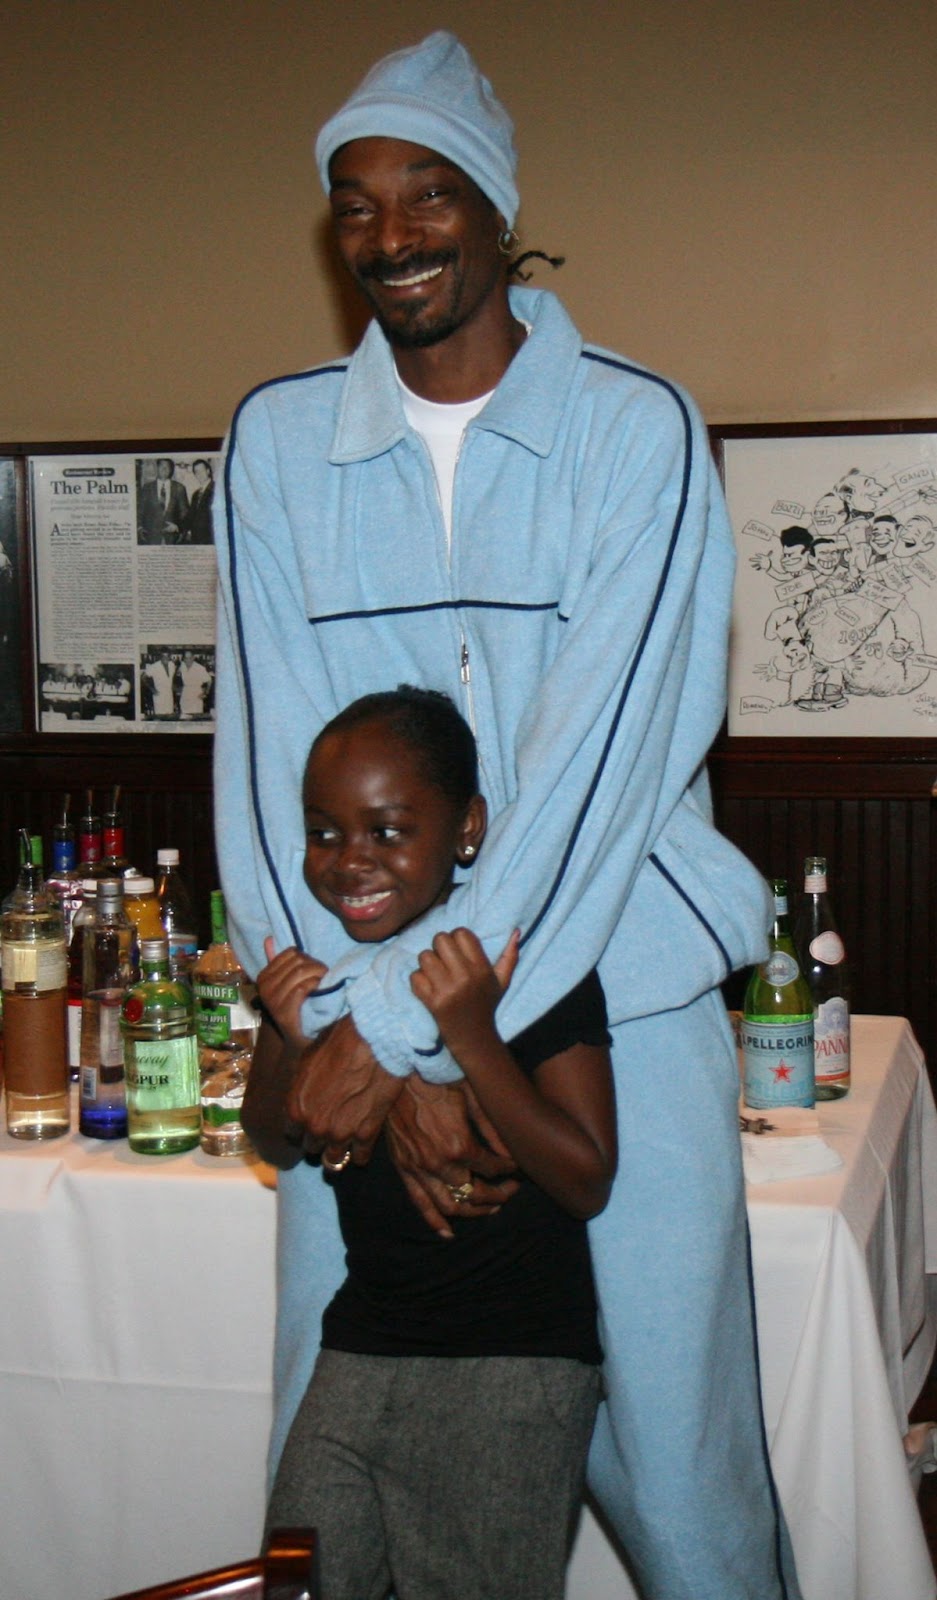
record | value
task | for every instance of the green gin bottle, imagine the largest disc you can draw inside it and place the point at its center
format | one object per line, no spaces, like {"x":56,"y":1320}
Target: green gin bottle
{"x":160,"y":1058}
{"x":777,"y":1023}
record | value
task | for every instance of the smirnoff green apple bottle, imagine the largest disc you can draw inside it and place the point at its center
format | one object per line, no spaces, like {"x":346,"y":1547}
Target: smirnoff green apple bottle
{"x":160,"y":1057}
{"x":777,"y":1023}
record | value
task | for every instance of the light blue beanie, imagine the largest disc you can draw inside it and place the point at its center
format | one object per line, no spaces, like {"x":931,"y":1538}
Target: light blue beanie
{"x":432,"y":94}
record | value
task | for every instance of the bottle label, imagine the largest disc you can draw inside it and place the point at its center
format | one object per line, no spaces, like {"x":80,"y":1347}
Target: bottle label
{"x":110,"y":1043}
{"x":778,"y":1063}
{"x":88,"y":1082}
{"x":828,"y":947}
{"x":831,"y":1042}
{"x":162,"y":1074}
{"x":39,"y":966}
{"x":74,"y":1035}
{"x":220,"y":1010}
{"x":780,"y":969}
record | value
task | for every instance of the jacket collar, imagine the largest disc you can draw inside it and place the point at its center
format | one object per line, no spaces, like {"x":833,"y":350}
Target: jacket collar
{"x":526,"y":406}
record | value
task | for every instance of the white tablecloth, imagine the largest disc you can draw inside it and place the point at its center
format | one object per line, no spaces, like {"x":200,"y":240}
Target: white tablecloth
{"x":136,"y":1321}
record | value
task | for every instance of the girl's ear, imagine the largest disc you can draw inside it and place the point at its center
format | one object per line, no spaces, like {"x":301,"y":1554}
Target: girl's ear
{"x":471,"y":830}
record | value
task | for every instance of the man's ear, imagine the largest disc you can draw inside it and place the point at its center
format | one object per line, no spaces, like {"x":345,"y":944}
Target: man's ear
{"x":472,"y":830}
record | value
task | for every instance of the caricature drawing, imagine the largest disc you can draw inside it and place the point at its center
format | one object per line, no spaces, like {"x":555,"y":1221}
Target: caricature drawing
{"x":846,"y":593}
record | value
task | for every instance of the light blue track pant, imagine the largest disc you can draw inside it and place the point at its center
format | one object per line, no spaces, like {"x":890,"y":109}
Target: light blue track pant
{"x":678,"y":1461}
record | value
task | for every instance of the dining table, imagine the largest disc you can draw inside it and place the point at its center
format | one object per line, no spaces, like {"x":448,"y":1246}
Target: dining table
{"x":136,"y":1335}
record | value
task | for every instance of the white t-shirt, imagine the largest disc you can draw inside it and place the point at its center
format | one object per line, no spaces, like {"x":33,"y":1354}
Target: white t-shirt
{"x":441,"y":427}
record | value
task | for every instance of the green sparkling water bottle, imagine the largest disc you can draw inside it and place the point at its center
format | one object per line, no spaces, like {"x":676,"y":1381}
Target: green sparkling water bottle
{"x":777,"y":1022}
{"x":160,"y":1058}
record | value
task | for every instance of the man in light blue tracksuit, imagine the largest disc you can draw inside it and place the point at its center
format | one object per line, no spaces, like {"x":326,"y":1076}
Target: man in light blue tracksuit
{"x":478,"y":502}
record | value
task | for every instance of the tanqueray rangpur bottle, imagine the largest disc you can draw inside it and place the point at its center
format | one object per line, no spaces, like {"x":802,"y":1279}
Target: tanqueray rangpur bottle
{"x":777,"y":1022}
{"x":157,"y":1022}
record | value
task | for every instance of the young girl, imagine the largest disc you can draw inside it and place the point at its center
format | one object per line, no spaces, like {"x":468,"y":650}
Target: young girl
{"x":441,"y":1445}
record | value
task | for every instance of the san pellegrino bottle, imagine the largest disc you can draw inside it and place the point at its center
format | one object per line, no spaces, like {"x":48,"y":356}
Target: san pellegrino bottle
{"x":823,"y":961}
{"x":32,"y":934}
{"x":777,"y":1022}
{"x":176,"y":914}
{"x":107,"y":973}
{"x":160,"y":1057}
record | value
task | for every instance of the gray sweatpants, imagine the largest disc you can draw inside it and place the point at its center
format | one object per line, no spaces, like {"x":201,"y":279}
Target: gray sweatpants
{"x":443,"y":1478}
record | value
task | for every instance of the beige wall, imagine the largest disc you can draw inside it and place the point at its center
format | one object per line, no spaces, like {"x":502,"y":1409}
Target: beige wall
{"x":745,"y":194}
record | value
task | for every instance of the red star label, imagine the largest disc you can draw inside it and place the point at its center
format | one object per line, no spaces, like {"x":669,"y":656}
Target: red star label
{"x":782,"y":1072}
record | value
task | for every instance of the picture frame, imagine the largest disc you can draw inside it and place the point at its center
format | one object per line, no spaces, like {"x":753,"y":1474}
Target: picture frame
{"x":12,"y":593}
{"x":834,"y":616}
{"x":122,"y":586}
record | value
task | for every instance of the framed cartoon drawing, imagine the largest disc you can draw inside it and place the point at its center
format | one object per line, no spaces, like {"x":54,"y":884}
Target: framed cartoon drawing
{"x":834,"y":621}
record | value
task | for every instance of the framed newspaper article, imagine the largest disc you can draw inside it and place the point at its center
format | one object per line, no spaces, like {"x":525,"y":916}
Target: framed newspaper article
{"x":834,"y":620}
{"x":123,"y":587}
{"x":11,"y":597}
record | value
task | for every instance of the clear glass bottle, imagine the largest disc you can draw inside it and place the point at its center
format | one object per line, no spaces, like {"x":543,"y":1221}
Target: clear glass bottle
{"x":107,"y":973}
{"x":823,"y":960}
{"x":160,"y":1057}
{"x":32,"y":936}
{"x":75,"y":982}
{"x":223,"y":1089}
{"x":176,"y":914}
{"x":777,"y":1022}
{"x":225,"y":1017}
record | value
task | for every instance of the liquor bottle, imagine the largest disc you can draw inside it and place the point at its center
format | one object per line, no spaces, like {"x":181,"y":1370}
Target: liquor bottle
{"x":227,"y":1023}
{"x":225,"y":1018}
{"x":89,"y":836}
{"x":75,"y":982}
{"x":777,"y":1022}
{"x":35,"y":1055}
{"x":176,"y":914}
{"x":107,"y":973}
{"x":223,"y":1089}
{"x":823,"y":961}
{"x":64,"y":880}
{"x":113,"y":862}
{"x":160,"y":1057}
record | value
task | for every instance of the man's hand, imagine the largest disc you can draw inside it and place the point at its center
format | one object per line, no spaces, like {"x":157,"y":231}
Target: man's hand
{"x":341,"y":1094}
{"x":437,"y":1150}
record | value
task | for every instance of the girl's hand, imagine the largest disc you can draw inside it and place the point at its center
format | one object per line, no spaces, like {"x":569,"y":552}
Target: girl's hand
{"x":284,"y":984}
{"x":460,"y":988}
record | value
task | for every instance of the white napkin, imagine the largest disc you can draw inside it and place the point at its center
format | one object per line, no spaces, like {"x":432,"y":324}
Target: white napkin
{"x":791,"y":1145}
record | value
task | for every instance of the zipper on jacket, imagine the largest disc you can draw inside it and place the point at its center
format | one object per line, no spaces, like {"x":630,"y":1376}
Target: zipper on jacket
{"x":465,"y":674}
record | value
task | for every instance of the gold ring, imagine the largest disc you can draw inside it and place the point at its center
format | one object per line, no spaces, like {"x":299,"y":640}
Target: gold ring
{"x":337,"y":1166}
{"x":461,"y":1191}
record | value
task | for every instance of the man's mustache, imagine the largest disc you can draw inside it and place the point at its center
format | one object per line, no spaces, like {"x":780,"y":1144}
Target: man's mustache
{"x":386,"y":269}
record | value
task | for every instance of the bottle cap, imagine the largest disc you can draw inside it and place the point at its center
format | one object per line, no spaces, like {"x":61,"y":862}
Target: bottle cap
{"x":135,"y":883}
{"x":110,"y":890}
{"x":154,"y":950}
{"x":167,"y":858}
{"x":90,"y":886}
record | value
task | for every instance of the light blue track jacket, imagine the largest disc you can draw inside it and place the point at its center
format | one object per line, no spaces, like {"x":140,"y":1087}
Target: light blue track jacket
{"x":587,"y":588}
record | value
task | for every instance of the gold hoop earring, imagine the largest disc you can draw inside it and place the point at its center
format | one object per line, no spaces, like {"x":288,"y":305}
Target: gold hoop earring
{"x":508,"y":241}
